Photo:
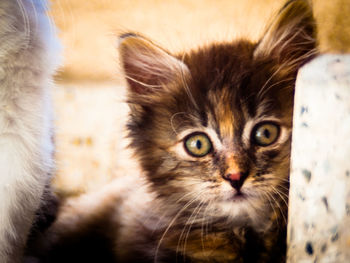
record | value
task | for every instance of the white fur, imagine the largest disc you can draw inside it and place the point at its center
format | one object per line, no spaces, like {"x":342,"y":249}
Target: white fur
{"x":28,"y":49}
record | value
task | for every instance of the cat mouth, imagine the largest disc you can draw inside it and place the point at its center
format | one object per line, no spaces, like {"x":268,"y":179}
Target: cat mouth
{"x":238,"y":196}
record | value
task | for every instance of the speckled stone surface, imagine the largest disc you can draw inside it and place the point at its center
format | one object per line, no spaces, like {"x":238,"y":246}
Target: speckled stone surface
{"x":319,"y":211}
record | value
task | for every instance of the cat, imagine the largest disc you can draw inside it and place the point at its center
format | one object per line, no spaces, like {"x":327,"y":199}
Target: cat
{"x":211,"y":131}
{"x":29,"y":55}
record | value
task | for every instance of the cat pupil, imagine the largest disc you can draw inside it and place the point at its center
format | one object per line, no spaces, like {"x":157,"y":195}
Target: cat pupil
{"x":198,"y":144}
{"x":267,"y":133}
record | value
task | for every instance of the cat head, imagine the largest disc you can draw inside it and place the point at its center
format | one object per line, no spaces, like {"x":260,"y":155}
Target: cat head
{"x":213,"y":126}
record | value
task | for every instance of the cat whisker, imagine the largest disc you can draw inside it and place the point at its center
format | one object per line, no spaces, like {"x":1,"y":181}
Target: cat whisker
{"x":35,"y":14}
{"x":198,"y":212}
{"x":183,"y":197}
{"x":288,"y":64}
{"x":297,"y":60}
{"x":53,"y":30}
{"x":163,"y":215}
{"x":202,"y":228}
{"x":27,"y":30}
{"x":172,"y":222}
{"x":283,"y":182}
{"x":207,"y":223}
{"x":294,"y":63}
{"x":284,"y":179}
{"x":279,"y":207}
{"x":207,"y":217}
{"x":282,"y":195}
{"x":172,"y":120}
{"x":269,"y":198}
{"x":188,"y":226}
{"x":187,"y":89}
{"x":277,"y":83}
{"x":285,"y":188}
{"x":283,"y":198}
{"x":193,"y":221}
{"x":262,"y":90}
{"x":288,"y":40}
{"x":143,"y":84}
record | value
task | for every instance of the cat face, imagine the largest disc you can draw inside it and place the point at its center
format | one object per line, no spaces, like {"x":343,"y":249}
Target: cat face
{"x":212,"y":128}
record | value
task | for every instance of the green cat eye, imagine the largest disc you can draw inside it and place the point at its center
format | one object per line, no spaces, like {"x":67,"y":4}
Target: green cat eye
{"x":265,"y":134}
{"x":197,"y":144}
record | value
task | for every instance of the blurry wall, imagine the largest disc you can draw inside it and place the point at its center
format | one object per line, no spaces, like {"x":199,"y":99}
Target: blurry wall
{"x":88,"y":29}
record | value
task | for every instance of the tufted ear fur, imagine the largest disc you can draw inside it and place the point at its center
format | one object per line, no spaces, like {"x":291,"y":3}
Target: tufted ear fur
{"x":147,"y":67}
{"x":291,"y":37}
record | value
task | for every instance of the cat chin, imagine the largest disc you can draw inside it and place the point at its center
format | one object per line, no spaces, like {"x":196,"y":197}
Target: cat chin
{"x":236,"y":213}
{"x":230,"y":195}
{"x":242,"y":214}
{"x":244,"y":207}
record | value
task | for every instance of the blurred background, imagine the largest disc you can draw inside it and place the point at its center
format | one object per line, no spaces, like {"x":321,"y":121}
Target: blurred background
{"x":89,"y":97}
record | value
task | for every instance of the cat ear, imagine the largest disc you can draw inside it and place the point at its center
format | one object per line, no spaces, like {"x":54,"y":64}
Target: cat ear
{"x":291,"y":36}
{"x":147,"y":67}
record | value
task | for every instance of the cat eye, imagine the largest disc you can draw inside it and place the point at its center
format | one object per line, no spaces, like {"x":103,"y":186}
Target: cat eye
{"x":197,"y":144}
{"x":265,"y":134}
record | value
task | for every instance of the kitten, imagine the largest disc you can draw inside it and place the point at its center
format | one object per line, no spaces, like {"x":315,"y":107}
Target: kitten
{"x":28,"y":51}
{"x":211,"y":130}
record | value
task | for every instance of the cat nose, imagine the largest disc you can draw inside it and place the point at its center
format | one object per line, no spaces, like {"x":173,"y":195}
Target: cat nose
{"x":236,"y":179}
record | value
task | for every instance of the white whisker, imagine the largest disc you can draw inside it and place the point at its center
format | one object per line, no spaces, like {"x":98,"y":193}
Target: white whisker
{"x":26,"y":23}
{"x":171,"y":224}
{"x":199,"y":207}
{"x":187,"y":89}
{"x":172,"y":120}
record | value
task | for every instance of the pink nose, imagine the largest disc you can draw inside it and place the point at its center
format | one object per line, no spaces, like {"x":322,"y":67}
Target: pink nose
{"x":234,"y":176}
{"x":236,"y":179}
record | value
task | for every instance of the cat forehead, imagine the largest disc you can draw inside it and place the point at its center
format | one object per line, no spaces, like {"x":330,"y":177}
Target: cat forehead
{"x":217,"y":59}
{"x":235,"y":81}
{"x":233,"y":67}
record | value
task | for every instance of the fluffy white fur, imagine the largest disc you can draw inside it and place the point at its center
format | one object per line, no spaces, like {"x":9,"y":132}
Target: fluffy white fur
{"x":28,"y":58}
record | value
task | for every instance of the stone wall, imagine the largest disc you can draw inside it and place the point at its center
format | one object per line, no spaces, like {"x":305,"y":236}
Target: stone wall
{"x":319,"y":204}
